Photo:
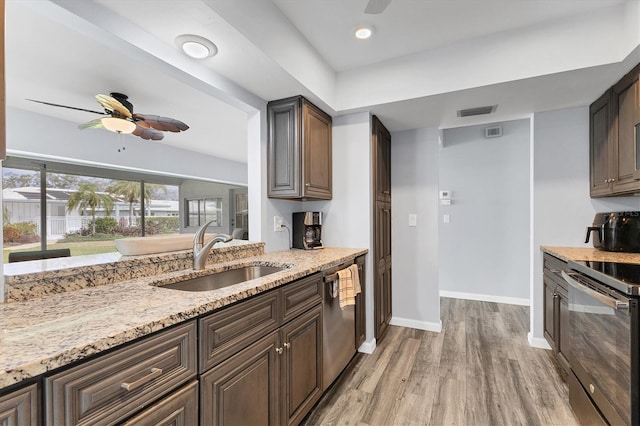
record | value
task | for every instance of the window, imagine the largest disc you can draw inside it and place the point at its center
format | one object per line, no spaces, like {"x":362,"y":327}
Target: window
{"x":201,"y":211}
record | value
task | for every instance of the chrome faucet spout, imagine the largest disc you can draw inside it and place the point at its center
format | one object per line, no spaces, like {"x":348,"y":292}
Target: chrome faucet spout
{"x":201,"y":250}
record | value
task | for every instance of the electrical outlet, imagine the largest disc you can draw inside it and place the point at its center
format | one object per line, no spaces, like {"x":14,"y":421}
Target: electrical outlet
{"x":278,"y":221}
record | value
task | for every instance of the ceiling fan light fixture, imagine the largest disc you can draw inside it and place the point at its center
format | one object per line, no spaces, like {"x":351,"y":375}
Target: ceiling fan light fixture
{"x":363,"y":32}
{"x":118,"y":125}
{"x":196,"y":47}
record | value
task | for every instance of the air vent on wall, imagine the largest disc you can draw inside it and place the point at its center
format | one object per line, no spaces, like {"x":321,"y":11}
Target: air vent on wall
{"x":493,"y":132}
{"x":469,"y":112}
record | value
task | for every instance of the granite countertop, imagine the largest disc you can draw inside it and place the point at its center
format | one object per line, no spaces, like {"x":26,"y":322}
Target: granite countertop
{"x":41,"y":334}
{"x":588,"y":253}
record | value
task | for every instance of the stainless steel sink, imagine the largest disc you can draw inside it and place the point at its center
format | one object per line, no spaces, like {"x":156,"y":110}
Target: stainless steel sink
{"x":224,"y":279}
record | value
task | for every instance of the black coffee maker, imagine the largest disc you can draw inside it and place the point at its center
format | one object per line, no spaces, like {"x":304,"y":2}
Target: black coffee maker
{"x":307,"y":230}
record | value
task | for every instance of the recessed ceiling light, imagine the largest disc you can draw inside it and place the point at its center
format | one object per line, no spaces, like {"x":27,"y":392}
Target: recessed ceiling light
{"x":363,"y":32}
{"x":196,"y":47}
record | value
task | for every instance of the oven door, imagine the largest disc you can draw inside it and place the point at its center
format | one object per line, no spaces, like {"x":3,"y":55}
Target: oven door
{"x":601,"y":323}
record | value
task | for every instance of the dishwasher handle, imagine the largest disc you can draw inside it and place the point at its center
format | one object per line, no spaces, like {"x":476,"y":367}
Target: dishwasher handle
{"x":602,"y":298}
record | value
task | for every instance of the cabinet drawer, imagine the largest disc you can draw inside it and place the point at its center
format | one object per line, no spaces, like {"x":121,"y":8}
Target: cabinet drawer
{"x":300,"y":296}
{"x":226,"y":332}
{"x":20,"y":407}
{"x":179,"y":409}
{"x":115,"y":386}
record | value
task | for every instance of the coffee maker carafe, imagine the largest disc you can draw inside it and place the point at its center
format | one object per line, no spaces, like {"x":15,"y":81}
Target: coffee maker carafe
{"x":307,"y":230}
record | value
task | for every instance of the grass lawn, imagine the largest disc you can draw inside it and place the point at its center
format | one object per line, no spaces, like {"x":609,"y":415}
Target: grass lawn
{"x":77,"y":248}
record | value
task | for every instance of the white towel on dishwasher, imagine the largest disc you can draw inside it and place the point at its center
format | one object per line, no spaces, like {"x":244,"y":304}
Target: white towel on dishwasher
{"x":348,"y":285}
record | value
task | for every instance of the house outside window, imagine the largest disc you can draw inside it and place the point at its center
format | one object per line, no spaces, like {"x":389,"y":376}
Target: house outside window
{"x":200,"y":211}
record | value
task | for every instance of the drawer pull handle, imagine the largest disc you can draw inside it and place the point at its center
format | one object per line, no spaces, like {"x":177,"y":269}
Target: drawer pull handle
{"x":155,"y":372}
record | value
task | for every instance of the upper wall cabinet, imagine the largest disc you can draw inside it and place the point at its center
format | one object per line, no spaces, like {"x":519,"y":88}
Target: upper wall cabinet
{"x":299,"y":150}
{"x":614,"y":132}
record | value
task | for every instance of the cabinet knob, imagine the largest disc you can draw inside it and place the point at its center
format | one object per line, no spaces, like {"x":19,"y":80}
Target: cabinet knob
{"x":307,"y":184}
{"x":287,"y":345}
{"x":613,"y":179}
{"x":279,"y":351}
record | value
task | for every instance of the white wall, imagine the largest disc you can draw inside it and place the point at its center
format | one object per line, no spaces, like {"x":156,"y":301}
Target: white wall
{"x":562,"y":208}
{"x":484,"y":249}
{"x":347,"y":218}
{"x":43,"y":135}
{"x":415,"y":259}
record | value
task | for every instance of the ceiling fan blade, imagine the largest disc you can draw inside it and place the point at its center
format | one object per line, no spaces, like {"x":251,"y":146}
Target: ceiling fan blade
{"x":157,"y":122}
{"x":147,"y":134}
{"x":69,"y":107}
{"x":93,"y":124}
{"x":112,"y":104}
{"x":375,"y":7}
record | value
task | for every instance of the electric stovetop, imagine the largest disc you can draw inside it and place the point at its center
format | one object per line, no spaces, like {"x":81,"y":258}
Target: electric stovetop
{"x":624,"y":277}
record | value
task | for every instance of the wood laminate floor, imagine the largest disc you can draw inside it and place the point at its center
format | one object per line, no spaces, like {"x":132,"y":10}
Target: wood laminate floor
{"x":480,"y":370}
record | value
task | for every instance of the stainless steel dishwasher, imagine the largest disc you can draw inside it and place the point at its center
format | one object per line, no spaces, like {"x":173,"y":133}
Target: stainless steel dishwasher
{"x":338,"y":330}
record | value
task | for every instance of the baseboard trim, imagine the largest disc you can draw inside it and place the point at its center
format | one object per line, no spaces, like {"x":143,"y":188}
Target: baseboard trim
{"x":420,"y":325}
{"x":538,"y":342}
{"x":485,"y":298}
{"x":368,"y":347}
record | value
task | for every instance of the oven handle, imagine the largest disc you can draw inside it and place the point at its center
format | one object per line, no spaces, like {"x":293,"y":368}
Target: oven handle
{"x":609,"y":301}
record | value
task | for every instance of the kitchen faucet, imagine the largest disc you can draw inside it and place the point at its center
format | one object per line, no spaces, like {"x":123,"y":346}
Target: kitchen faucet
{"x":201,"y":250}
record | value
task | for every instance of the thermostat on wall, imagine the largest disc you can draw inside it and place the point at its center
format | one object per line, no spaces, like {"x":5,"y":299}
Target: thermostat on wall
{"x":445,"y":195}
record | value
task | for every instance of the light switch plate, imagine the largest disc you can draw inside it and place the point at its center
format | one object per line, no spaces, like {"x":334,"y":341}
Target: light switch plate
{"x":445,"y":218}
{"x":413,"y":219}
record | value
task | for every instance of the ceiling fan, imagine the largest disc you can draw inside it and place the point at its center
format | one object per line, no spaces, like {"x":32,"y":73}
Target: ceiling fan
{"x":121,"y":118}
{"x":375,"y":7}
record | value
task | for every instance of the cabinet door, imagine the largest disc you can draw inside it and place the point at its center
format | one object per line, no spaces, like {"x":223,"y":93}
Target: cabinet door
{"x":382,"y":280}
{"x":600,"y":145}
{"x":302,"y":365}
{"x":563,"y":332}
{"x":381,"y":160}
{"x":316,"y":148}
{"x":549,"y":313}
{"x":180,"y":408}
{"x":361,"y":314}
{"x":283,"y":160}
{"x":20,"y":407}
{"x":245,"y":389}
{"x":625,"y":104}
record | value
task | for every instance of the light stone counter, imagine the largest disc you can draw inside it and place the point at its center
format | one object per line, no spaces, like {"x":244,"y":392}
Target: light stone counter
{"x":44,"y":333}
{"x":587,"y":253}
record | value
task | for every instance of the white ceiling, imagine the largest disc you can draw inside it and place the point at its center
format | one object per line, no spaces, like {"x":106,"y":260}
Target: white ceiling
{"x":427,"y":59}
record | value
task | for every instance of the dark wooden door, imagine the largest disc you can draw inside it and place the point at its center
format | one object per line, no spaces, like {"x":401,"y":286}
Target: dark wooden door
{"x":361,"y":313}
{"x":382,"y":285}
{"x":600,"y":148}
{"x":301,"y":365}
{"x":382,"y":160}
{"x":316,"y":153}
{"x":627,"y":108}
{"x":245,"y":389}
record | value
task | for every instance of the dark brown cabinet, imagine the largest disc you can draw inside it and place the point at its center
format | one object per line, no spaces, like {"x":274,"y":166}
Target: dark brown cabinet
{"x":556,"y":307}
{"x":21,"y":407}
{"x":381,"y":140}
{"x":299,"y":150}
{"x":274,"y":376}
{"x":178,"y":409}
{"x":600,"y":146}
{"x":614,"y":140}
{"x":117,"y":385}
{"x":361,"y":315}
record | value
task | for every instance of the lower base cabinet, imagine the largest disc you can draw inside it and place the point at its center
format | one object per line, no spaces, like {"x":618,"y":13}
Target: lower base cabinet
{"x":556,"y":309}
{"x":178,"y":409}
{"x":275,"y":381}
{"x":20,"y":407}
